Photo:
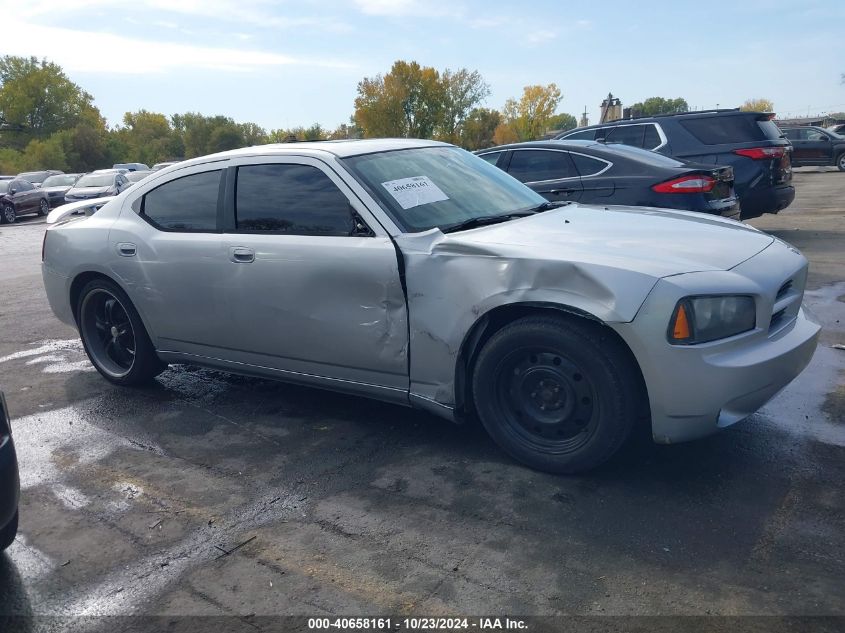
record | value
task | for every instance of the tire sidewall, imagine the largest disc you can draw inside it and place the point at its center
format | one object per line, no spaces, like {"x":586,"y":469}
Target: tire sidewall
{"x":840,"y":162}
{"x":146,"y":364}
{"x":598,"y":363}
{"x":43,"y":207}
{"x":14,"y":217}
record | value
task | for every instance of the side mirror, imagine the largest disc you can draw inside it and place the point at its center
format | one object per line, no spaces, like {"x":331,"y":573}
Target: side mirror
{"x":13,"y":190}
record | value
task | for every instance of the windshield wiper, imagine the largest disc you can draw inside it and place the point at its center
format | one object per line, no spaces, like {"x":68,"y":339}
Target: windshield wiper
{"x":545,"y":206}
{"x":484,"y":220}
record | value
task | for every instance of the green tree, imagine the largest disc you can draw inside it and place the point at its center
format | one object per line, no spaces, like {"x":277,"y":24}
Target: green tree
{"x":253,"y":134}
{"x":462,"y":91}
{"x":149,"y":136}
{"x":757,"y":105}
{"x":406,"y":102}
{"x":46,"y":154}
{"x":562,"y":122}
{"x":37,"y":99}
{"x":10,"y":161}
{"x":529,"y":117}
{"x":225,"y":135}
{"x":479,"y":127}
{"x":660,"y":105}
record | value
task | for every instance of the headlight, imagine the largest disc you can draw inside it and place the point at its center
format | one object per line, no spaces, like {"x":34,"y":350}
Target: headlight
{"x":703,"y":319}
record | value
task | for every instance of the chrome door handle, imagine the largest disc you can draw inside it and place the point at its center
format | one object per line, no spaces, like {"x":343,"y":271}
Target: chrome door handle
{"x":241,"y":254}
{"x":126,"y":249}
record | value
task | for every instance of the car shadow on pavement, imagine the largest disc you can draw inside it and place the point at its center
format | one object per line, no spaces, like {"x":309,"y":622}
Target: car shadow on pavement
{"x":14,"y":600}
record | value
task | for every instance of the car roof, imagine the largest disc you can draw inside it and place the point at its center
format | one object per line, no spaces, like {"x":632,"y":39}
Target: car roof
{"x":657,"y":118}
{"x":340,"y":149}
{"x":559,"y":144}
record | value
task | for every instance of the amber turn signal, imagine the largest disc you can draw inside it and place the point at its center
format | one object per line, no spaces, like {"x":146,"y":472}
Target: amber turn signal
{"x":680,"y":328}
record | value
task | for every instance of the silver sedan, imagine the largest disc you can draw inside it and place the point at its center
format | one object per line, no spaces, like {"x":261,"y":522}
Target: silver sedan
{"x":417,"y":273}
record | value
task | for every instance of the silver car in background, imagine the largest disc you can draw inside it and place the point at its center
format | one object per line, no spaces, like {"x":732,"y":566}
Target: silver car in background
{"x":416,"y":273}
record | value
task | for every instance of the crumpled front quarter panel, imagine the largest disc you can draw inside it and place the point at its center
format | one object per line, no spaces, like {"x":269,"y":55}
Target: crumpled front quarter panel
{"x":453,"y":282}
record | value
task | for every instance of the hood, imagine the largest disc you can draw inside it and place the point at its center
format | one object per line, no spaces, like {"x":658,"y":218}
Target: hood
{"x":656,"y":242}
{"x":86,"y":192}
{"x":60,"y":189}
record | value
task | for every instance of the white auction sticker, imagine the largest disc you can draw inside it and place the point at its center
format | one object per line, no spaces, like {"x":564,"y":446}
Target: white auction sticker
{"x":414,"y":191}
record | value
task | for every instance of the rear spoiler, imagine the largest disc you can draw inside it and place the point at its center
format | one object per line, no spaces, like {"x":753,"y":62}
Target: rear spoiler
{"x":82,"y":208}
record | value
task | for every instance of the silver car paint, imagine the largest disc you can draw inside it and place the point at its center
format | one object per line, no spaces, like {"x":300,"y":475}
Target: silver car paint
{"x":300,"y":311}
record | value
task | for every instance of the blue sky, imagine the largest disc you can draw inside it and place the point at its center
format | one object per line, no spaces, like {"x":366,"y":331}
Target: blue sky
{"x":283,"y":64}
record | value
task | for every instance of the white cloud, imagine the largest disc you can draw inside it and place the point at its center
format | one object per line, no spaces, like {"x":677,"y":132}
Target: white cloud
{"x":87,"y":51}
{"x":400,"y":8}
{"x":255,"y":12}
{"x":540,"y":36}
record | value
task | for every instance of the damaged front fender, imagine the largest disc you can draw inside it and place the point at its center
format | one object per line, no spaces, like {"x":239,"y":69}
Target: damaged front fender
{"x":453,"y":282}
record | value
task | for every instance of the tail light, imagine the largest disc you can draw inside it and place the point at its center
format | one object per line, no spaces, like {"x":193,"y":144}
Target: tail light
{"x":761,"y":153}
{"x":694,"y":183}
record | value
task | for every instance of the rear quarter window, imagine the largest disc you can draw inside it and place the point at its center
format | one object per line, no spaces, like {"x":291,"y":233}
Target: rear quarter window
{"x":717,"y":130}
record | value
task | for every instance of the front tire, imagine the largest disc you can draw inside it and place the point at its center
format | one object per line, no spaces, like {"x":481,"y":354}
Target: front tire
{"x":558,"y":395}
{"x":8,"y":216}
{"x":114,"y":336}
{"x":8,"y":533}
{"x":43,"y":207}
{"x":840,"y":161}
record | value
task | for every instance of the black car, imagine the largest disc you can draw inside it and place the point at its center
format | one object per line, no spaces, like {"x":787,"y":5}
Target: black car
{"x":750,"y":142}
{"x":816,"y":146}
{"x":57,"y":186}
{"x":37,"y":177}
{"x":21,"y":197}
{"x":594,"y":173}
{"x":10,"y":485}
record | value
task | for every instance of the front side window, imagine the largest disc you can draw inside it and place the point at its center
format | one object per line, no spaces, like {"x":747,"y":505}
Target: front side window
{"x":584,"y":135}
{"x":429,"y":187}
{"x":538,"y":165}
{"x":24,"y":185}
{"x":491,"y":157}
{"x":626,"y":135}
{"x":185,"y":204}
{"x":293,"y":199}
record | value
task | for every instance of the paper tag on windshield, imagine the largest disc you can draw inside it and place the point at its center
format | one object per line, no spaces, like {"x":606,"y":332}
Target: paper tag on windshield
{"x":414,"y":191}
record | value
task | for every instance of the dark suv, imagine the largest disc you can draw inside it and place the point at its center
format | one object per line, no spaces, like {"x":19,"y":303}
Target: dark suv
{"x":816,"y":146}
{"x":750,"y":142}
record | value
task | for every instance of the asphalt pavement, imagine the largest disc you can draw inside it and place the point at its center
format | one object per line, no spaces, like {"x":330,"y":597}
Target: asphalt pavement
{"x":214,"y":494}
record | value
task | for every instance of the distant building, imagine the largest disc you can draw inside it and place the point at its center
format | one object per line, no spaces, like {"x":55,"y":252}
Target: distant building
{"x":611,"y":109}
{"x":822,"y":120}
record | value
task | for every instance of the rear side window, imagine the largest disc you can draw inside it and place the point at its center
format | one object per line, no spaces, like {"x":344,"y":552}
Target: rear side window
{"x":730,"y":129}
{"x":651,"y":138}
{"x":291,"y":199}
{"x":588,"y":166}
{"x":185,"y":204}
{"x":539,"y":165}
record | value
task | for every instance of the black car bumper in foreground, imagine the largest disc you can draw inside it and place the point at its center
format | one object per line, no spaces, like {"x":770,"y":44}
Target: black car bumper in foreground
{"x":9,"y":480}
{"x":756,"y":202}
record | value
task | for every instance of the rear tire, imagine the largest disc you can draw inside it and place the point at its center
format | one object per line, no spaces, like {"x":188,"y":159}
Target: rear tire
{"x":43,"y":207}
{"x":114,"y":336}
{"x":558,"y":395}
{"x":8,"y":216}
{"x":8,"y":533}
{"x":840,"y":161}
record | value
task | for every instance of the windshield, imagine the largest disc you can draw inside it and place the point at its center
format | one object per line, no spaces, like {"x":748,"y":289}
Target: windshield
{"x":65,"y":180}
{"x":440,"y":187}
{"x":96,"y":180}
{"x":4,"y":185}
{"x":33,"y":176}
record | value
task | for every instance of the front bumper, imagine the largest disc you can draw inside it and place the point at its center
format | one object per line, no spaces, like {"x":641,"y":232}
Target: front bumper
{"x":695,"y":390}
